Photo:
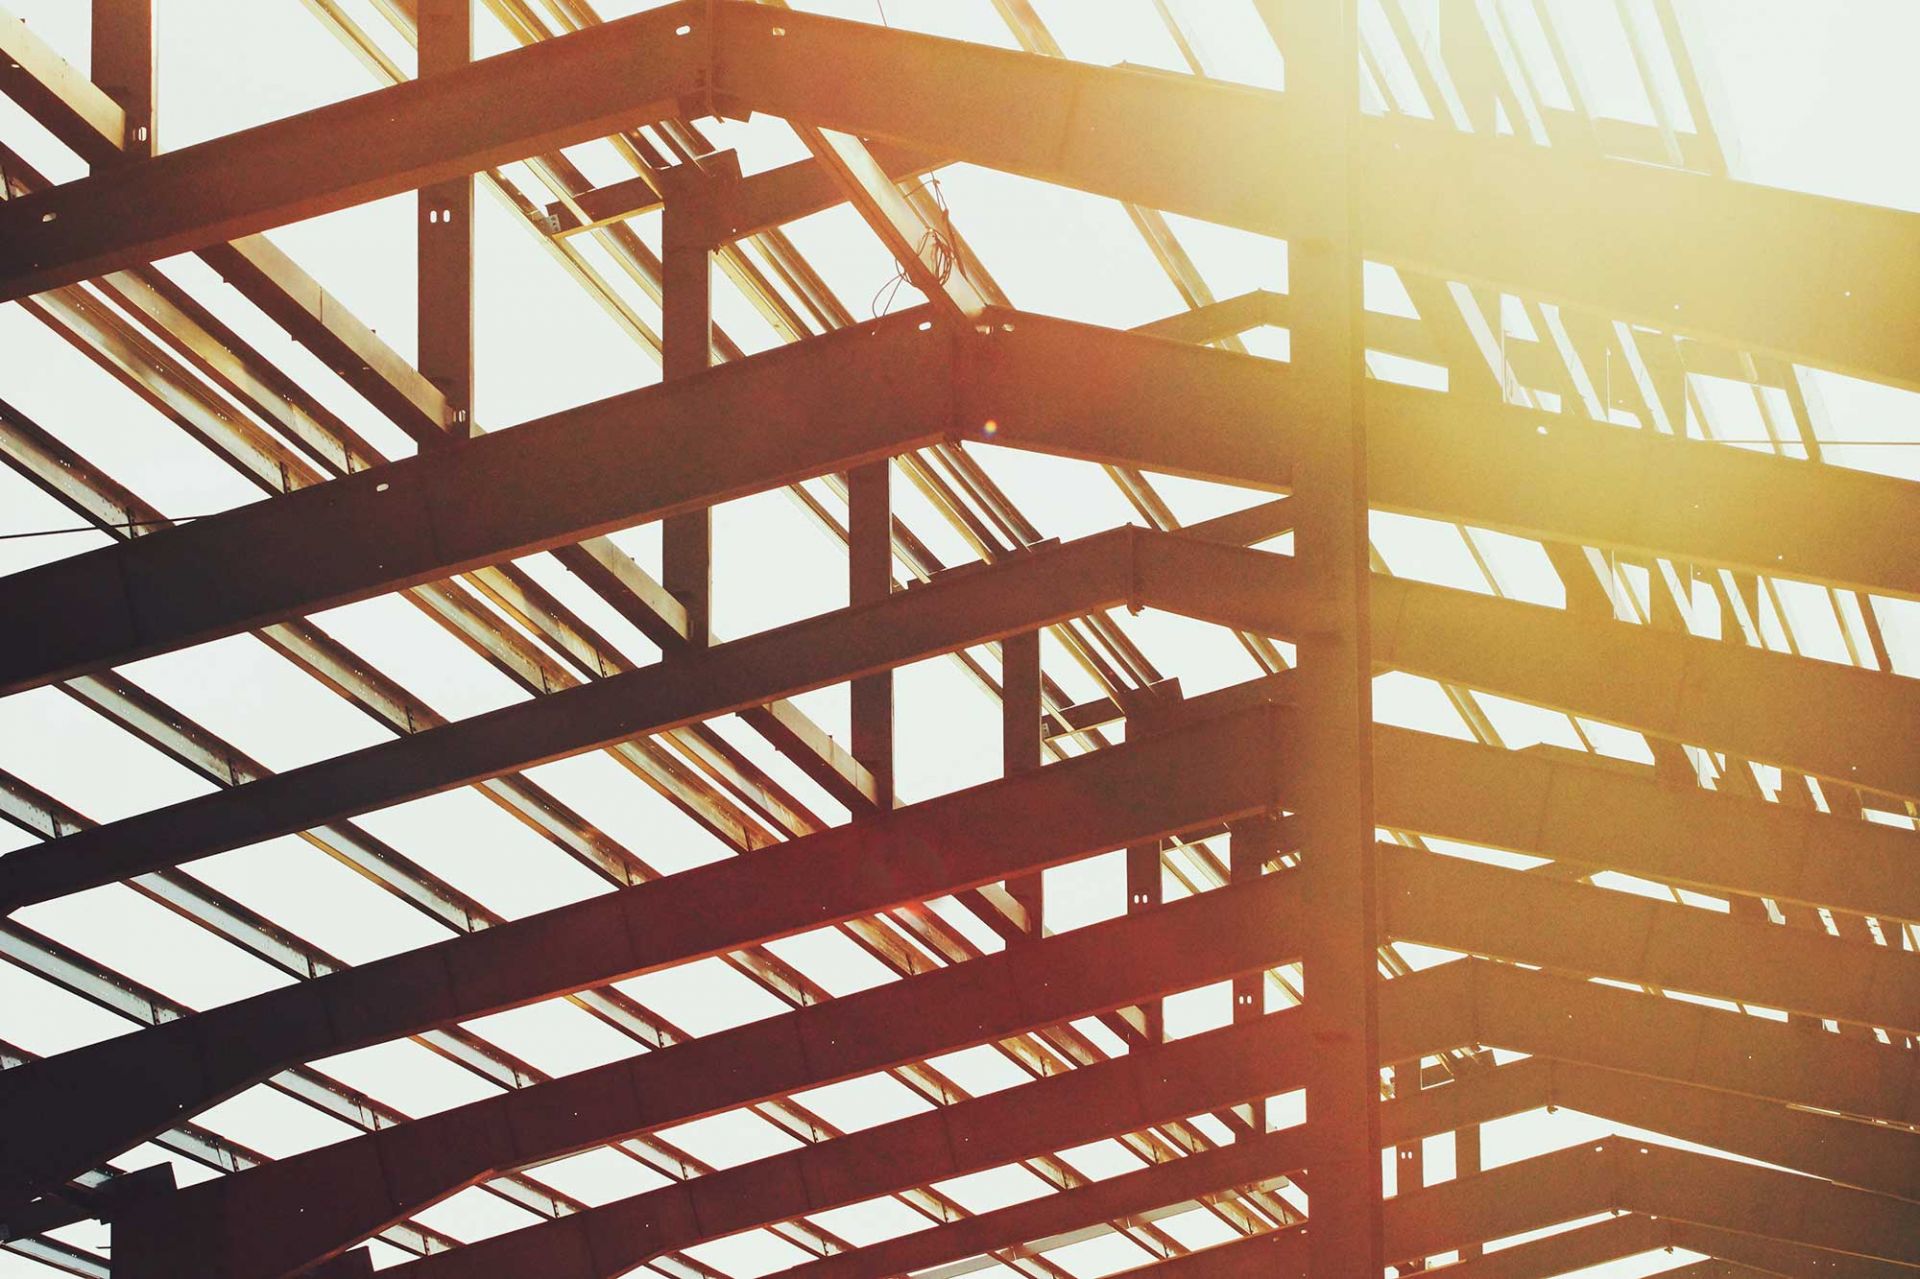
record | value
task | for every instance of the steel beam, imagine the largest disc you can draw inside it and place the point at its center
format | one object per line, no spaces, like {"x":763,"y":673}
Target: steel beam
{"x":615,"y":76}
{"x":969,"y":608}
{"x":1333,"y":686}
{"x":743,"y":206}
{"x":854,"y":396}
{"x":1450,"y":456}
{"x":1687,"y":252}
{"x":1121,"y":1095}
{"x":1043,"y":384}
{"x":1605,"y":816}
{"x":1661,"y":682}
{"x":1567,"y":927}
{"x":296,"y":1211}
{"x":69,"y":1112}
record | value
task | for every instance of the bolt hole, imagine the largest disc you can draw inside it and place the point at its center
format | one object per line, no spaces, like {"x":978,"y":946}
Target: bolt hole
{"x":48,"y":217}
{"x":381,"y":488}
{"x":683,"y":31}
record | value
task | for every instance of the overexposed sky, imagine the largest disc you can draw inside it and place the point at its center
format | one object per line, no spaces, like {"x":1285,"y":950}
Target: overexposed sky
{"x":1817,"y":97}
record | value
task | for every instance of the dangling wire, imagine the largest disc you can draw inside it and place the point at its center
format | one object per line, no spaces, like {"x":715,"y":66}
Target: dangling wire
{"x":939,"y":241}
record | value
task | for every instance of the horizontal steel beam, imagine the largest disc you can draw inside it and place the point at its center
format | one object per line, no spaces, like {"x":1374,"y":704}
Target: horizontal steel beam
{"x":296,"y":1211}
{"x":1480,"y":1097}
{"x":1669,"y":684}
{"x":1606,"y":816}
{"x":1513,"y":915}
{"x":1123,"y":1094}
{"x":1687,"y":252}
{"x":853,"y":396}
{"x":1449,"y":456}
{"x":65,"y":1113}
{"x":615,"y":76}
{"x":1440,"y":901}
{"x":883,"y":388}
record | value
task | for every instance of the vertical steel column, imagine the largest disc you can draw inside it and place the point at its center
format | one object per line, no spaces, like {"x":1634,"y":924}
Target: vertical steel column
{"x":1409,"y":1161}
{"x":1251,"y":844}
{"x":1020,"y":748}
{"x":445,"y":233}
{"x":123,"y":66}
{"x":686,"y":342}
{"x":1466,"y":1162}
{"x":1339,"y":947}
{"x":870,"y":578}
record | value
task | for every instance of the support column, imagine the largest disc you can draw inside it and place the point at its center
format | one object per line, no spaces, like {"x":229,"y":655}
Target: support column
{"x":870,"y":578}
{"x":1466,"y":1162}
{"x":445,"y":227}
{"x":1409,"y":1162}
{"x":123,"y":66}
{"x":1020,"y":748}
{"x":1251,"y":844}
{"x":1339,"y":947}
{"x":686,"y":340}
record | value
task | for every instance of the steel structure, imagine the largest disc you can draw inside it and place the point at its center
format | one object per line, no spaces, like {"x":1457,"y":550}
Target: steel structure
{"x":1711,"y":942}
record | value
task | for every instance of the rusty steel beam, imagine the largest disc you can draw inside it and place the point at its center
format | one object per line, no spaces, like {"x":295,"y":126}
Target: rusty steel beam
{"x":70,"y":1111}
{"x":303,"y":1210}
{"x":1662,"y":682}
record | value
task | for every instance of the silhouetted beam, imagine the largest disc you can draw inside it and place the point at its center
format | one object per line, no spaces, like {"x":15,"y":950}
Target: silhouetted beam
{"x":1670,"y":684}
{"x":1452,"y":457}
{"x":1506,"y":914}
{"x":68,"y":1112}
{"x":1120,"y":1095}
{"x":834,"y":401}
{"x":1178,"y":947}
{"x":1595,"y":813}
{"x":1685,"y":252}
{"x":1681,"y":251}
{"x":1481,"y":1097}
{"x":1635,"y":1176}
{"x":615,"y":76}
{"x":296,"y":1211}
{"x":821,"y":406}
{"x":1019,"y":594}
